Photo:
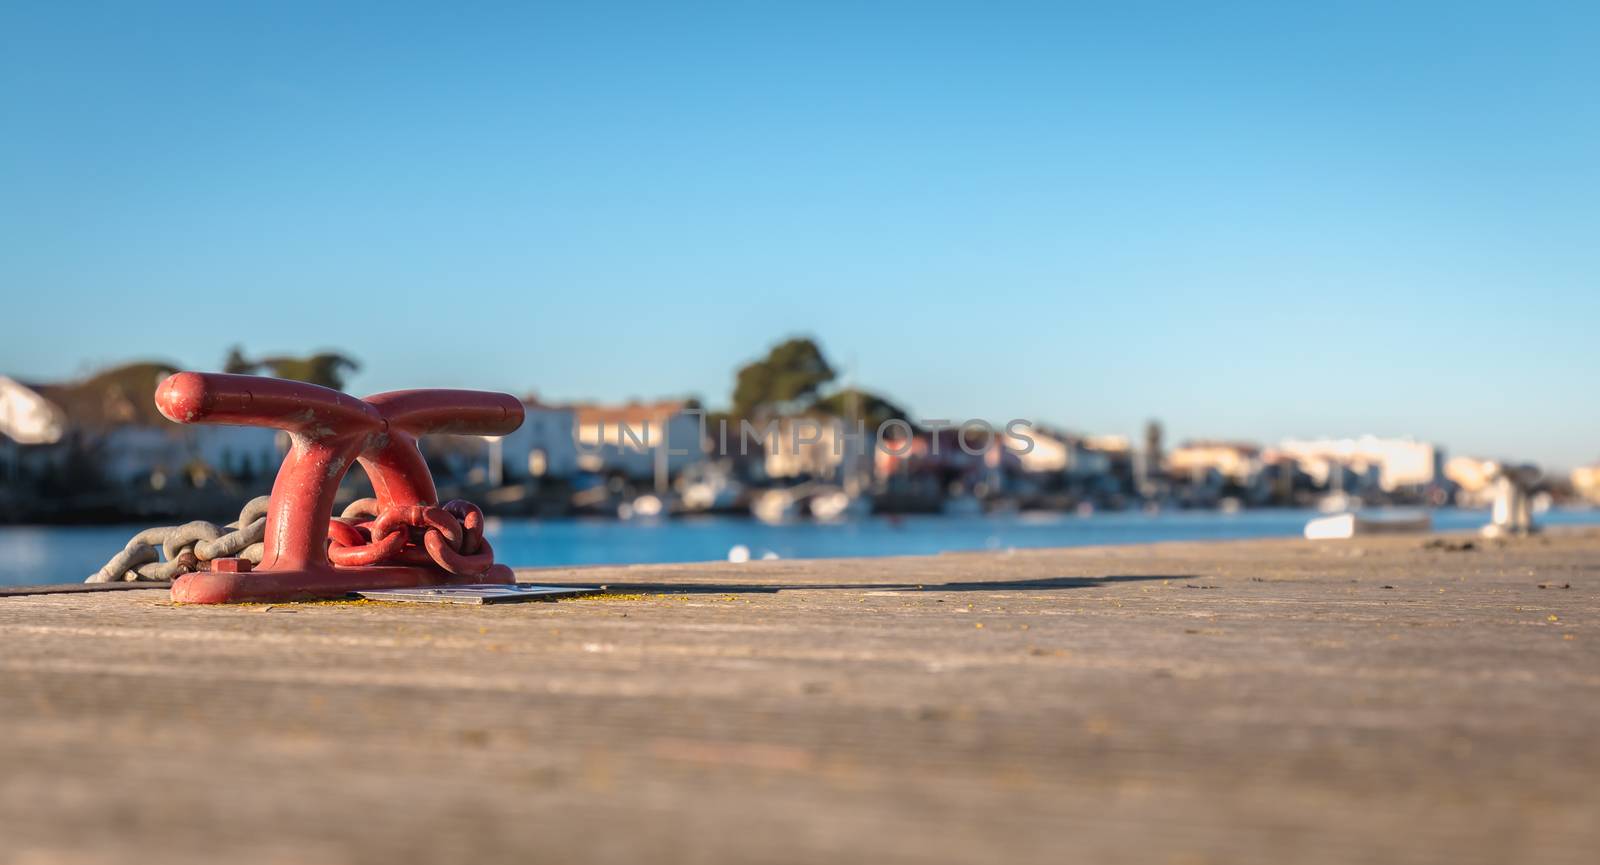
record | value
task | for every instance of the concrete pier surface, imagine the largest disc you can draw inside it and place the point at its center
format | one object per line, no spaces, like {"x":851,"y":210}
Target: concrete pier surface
{"x":1386,"y":700}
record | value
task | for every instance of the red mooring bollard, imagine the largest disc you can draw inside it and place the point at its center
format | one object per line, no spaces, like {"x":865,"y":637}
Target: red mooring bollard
{"x":412,"y":541}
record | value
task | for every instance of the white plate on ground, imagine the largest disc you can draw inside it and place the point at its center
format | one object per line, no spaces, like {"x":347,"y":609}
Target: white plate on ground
{"x":477,"y":593}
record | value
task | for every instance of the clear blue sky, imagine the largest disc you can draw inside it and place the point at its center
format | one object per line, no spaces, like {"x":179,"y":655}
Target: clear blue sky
{"x":1251,"y":221}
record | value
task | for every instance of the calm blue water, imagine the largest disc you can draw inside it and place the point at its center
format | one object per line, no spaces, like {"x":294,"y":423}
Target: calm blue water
{"x":32,"y":554}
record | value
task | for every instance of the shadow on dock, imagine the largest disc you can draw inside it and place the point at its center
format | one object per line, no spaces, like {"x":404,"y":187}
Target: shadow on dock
{"x":1032,"y":585}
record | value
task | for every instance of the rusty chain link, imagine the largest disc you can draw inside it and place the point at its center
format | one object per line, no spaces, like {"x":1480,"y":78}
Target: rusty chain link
{"x":188,"y":547}
{"x":448,"y":535}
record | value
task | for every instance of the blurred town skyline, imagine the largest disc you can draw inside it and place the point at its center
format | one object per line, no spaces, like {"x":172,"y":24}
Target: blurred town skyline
{"x":1251,"y":222}
{"x":795,"y":435}
{"x":362,"y":378}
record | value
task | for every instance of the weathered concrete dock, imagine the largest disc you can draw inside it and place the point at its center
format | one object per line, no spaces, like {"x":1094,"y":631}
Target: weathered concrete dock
{"x":1278,"y":702}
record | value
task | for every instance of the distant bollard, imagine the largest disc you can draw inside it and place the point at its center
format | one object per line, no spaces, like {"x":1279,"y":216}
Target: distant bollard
{"x":1512,"y":515}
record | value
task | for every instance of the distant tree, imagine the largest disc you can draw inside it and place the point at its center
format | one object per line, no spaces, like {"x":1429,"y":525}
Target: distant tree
{"x":785,"y":380}
{"x":855,"y":404}
{"x":118,"y":395}
{"x":237,"y":363}
{"x":326,"y":368}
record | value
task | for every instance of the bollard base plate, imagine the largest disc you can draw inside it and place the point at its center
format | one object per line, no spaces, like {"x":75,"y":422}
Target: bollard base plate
{"x":318,"y":584}
{"x":479,"y":593}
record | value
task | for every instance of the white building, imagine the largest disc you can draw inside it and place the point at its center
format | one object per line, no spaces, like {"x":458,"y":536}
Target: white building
{"x":27,"y":417}
{"x":128,"y":445}
{"x":1051,"y":452}
{"x":130,"y":453}
{"x":638,"y":440}
{"x":1400,"y":462}
{"x":544,"y":446}
{"x":29,"y":424}
{"x":816,"y":447}
{"x":1040,"y":452}
{"x":1586,"y":482}
{"x":1235,"y":461}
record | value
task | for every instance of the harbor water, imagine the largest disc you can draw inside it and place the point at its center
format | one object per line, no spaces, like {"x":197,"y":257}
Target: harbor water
{"x":58,"y":554}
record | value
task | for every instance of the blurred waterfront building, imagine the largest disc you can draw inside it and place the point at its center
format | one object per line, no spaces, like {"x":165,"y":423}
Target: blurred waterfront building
{"x":1237,"y":462}
{"x":1062,"y":469}
{"x":106,"y":430}
{"x":638,"y":440}
{"x":543,"y":447}
{"x":1211,"y":473}
{"x":1053,"y":452}
{"x":132,"y":454}
{"x":1586,"y":483}
{"x":1392,"y":464}
{"x":1043,"y":452}
{"x":964,"y":456}
{"x":809,"y":446}
{"x":27,"y":417}
{"x":29,"y":425}
{"x":1108,"y":451}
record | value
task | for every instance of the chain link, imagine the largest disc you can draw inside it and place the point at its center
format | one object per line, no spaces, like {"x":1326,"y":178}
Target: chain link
{"x":449,"y":536}
{"x":187,"y":547}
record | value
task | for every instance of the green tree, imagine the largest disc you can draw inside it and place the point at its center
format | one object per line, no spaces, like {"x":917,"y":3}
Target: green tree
{"x":787,"y":379}
{"x":238,"y":364}
{"x":856,"y":404}
{"x":325,"y":368}
{"x":118,"y":395}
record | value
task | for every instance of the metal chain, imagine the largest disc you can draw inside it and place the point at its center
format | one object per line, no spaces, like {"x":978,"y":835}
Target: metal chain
{"x":448,"y":535}
{"x":187,"y":547}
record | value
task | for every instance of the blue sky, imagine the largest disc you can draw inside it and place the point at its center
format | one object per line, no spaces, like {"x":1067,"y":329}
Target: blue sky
{"x":1250,"y":221}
